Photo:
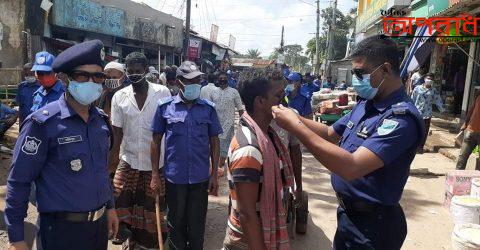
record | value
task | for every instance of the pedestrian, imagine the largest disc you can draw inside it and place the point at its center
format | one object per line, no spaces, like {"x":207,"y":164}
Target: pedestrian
{"x":424,"y":97}
{"x":232,"y":80}
{"x":471,"y":128}
{"x":191,"y":128}
{"x":207,"y":91}
{"x":115,"y":81}
{"x":26,"y":88}
{"x":227,"y":101}
{"x":299,"y":98}
{"x":171,"y":76}
{"x":153,"y":75}
{"x":292,"y":144}
{"x":376,"y":142}
{"x":8,"y":117}
{"x":133,"y":109}
{"x":311,"y":85}
{"x":418,"y":77}
{"x":63,"y":148}
{"x":51,"y":87}
{"x":259,"y":169}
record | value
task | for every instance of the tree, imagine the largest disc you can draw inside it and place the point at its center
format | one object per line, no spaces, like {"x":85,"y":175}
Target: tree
{"x":293,"y":57}
{"x":253,"y":53}
{"x":343,"y":25}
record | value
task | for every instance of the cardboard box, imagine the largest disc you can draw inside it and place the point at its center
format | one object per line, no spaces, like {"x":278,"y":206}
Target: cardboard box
{"x":458,"y":182}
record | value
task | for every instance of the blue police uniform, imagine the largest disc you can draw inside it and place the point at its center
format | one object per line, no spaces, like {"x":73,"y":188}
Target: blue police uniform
{"x":66,"y":158}
{"x":301,"y":102}
{"x":187,"y":167}
{"x":311,"y":87}
{"x":369,"y":215}
{"x":24,"y":98}
{"x":41,"y":97}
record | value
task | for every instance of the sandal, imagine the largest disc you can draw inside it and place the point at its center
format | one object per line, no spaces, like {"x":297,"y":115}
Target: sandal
{"x":123,"y":234}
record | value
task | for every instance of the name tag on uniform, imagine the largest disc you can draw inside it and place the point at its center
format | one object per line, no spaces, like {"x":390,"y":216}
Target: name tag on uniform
{"x":350,"y":124}
{"x":70,"y":139}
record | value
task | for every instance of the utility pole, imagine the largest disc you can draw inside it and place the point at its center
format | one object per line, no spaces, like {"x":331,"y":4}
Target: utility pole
{"x":330,"y":39}
{"x":186,"y":40}
{"x":281,"y":42}
{"x":317,"y":41}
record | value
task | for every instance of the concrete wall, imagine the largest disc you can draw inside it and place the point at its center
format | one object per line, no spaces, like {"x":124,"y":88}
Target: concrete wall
{"x":347,"y":64}
{"x":12,"y":18}
{"x":120,"y":18}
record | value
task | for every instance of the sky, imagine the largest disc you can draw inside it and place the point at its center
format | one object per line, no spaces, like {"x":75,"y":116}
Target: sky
{"x":256,"y":24}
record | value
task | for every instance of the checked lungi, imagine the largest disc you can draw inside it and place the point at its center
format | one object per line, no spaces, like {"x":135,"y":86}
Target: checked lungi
{"x":135,"y":205}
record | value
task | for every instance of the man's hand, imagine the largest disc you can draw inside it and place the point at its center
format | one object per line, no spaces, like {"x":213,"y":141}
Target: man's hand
{"x":213,"y":185}
{"x":157,"y":184}
{"x":113,"y":222}
{"x":20,"y":245}
{"x":285,"y":117}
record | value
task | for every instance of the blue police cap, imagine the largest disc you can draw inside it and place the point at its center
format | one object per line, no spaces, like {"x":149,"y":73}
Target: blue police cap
{"x":89,"y":52}
{"x":43,"y":61}
{"x":294,"y":77}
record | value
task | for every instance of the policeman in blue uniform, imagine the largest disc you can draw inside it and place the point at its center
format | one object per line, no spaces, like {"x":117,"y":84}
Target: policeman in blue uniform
{"x":25,"y":90}
{"x":63,"y":148}
{"x":377,"y":143}
{"x":311,"y":85}
{"x":298,"y":95}
{"x":51,"y":87}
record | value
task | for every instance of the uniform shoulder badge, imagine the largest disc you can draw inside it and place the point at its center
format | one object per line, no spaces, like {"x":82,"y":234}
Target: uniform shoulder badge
{"x":31,"y":145}
{"x":165,"y":100}
{"x":387,"y":127}
{"x":208,"y":102}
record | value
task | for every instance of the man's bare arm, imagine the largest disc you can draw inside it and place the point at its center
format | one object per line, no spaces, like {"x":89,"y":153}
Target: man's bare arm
{"x":322,"y":130}
{"x":114,"y":153}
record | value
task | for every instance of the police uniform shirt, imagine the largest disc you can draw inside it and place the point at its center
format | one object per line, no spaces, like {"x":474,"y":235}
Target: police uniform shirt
{"x":24,"y":98}
{"x":301,"y":102}
{"x":67,"y":159}
{"x":41,"y":97}
{"x":393,"y":138}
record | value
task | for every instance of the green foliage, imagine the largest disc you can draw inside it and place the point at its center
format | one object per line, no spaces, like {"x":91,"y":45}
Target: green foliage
{"x":293,"y":57}
{"x":253,"y":54}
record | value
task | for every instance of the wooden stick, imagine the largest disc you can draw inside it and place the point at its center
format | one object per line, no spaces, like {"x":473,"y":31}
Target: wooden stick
{"x":159,"y":220}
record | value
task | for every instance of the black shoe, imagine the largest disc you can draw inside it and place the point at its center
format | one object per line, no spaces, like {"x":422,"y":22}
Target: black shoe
{"x":123,"y":234}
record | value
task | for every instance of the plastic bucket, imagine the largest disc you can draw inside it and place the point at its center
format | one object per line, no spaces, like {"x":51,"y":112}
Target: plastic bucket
{"x":475,"y":189}
{"x":466,"y":237}
{"x":465,"y":209}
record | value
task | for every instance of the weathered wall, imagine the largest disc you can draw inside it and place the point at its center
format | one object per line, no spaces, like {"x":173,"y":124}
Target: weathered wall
{"x":12,"y":18}
{"x":120,"y":18}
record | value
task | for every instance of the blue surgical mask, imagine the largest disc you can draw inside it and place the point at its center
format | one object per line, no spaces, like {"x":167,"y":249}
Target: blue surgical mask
{"x":85,"y":93}
{"x":364,"y":88}
{"x":192,"y":91}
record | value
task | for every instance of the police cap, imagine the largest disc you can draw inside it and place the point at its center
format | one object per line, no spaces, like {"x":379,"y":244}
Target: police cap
{"x":89,"y":52}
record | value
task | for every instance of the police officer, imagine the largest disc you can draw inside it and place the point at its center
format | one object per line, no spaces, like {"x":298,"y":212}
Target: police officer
{"x":24,"y":98}
{"x":377,"y":143}
{"x":51,"y":87}
{"x":298,"y":95}
{"x":63,"y":148}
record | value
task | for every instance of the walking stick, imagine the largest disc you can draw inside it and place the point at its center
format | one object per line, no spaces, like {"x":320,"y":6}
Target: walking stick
{"x":159,"y":220}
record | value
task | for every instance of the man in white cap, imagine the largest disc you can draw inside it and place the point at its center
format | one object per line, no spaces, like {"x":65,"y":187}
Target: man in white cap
{"x":115,"y":72}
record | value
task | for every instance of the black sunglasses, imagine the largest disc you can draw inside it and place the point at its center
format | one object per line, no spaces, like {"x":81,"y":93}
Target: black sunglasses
{"x":83,"y":76}
{"x":43,"y":73}
{"x":360,"y":72}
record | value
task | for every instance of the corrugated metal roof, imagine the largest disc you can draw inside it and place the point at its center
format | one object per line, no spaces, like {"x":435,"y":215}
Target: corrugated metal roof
{"x":462,"y":6}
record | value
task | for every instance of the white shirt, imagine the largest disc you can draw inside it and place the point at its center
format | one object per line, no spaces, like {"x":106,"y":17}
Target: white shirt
{"x":227,"y":101}
{"x":206,"y":91}
{"x":136,"y":124}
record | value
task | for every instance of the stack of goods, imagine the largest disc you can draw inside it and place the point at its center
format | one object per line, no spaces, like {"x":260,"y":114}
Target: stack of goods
{"x":462,"y":197}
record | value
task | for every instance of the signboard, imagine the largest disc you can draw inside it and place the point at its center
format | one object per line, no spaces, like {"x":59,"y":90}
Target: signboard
{"x":436,"y":6}
{"x":194,"y":48}
{"x":89,"y":16}
{"x":214,"y":33}
{"x":231,"y":42}
{"x":369,"y":15}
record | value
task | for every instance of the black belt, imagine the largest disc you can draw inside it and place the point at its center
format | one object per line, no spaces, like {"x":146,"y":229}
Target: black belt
{"x":363,"y":206}
{"x":78,"y":217}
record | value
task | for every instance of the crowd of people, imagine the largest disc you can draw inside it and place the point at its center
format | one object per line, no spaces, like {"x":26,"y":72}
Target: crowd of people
{"x":110,"y":146}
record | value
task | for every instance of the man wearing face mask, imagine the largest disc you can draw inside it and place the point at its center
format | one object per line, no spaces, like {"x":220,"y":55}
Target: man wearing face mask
{"x":191,"y":128}
{"x":63,"y":148}
{"x":133,"y":109}
{"x":299,"y":96}
{"x":171,"y":77}
{"x":424,"y":97}
{"x":227,"y":101}
{"x":377,"y":142}
{"x":51,"y":88}
{"x":24,"y":98}
{"x":115,"y":81}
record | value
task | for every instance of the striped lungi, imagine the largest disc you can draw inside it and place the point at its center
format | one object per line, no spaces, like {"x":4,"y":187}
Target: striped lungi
{"x":135,"y":204}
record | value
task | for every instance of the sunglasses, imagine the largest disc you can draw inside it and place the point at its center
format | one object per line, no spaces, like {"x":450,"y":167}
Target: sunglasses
{"x":43,"y":73}
{"x":83,"y":76}
{"x":360,"y":72}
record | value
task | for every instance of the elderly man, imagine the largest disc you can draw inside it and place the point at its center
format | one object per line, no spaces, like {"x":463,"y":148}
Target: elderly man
{"x":116,"y":80}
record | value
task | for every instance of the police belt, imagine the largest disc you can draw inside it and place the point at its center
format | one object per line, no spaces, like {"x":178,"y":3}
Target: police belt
{"x":78,"y":217}
{"x":363,"y":206}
